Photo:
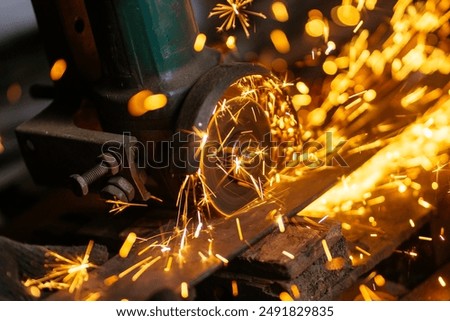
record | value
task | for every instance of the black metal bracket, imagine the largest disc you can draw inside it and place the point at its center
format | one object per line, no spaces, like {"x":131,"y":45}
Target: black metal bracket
{"x":54,"y":148}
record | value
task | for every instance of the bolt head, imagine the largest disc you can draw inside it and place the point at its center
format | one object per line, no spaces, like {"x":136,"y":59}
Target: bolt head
{"x":78,"y":185}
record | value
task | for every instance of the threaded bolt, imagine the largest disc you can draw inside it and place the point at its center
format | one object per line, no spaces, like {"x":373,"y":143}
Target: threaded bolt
{"x":80,"y":183}
{"x":95,"y":173}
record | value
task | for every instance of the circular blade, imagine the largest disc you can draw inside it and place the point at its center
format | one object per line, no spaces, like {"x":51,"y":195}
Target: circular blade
{"x":235,"y":158}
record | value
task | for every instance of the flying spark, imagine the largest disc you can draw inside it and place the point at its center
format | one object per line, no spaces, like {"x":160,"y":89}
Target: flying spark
{"x":119,"y":206}
{"x":235,"y":10}
{"x":66,"y":273}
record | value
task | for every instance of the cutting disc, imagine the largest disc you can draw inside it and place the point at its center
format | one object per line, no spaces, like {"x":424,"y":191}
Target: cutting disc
{"x":235,"y":159}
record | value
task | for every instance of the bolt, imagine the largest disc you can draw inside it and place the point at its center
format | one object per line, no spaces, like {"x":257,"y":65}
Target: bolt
{"x":80,"y":183}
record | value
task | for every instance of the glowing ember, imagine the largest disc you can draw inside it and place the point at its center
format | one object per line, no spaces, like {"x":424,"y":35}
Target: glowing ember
{"x":424,"y":203}
{"x":238,"y":225}
{"x":35,"y":291}
{"x":315,"y":27}
{"x":127,"y":245}
{"x":288,"y":254}
{"x":347,"y":14}
{"x":362,"y":251}
{"x":284,"y":296}
{"x":376,"y":201}
{"x":330,"y":67}
{"x":280,"y":41}
{"x":145,"y":101}
{"x":111,"y":280}
{"x":224,"y":260}
{"x":184,"y":290}
{"x":280,"y":11}
{"x":295,"y":291}
{"x":327,"y":250}
{"x":234,"y":288}
{"x":155,"y":101}
{"x":379,"y":280}
{"x":365,"y":292}
{"x":346,"y":226}
{"x":200,"y":41}
{"x":58,"y":69}
{"x":168,"y":264}
{"x":280,"y":223}
{"x":231,"y":42}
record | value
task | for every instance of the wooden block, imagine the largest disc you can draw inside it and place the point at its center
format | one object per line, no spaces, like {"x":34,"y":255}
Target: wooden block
{"x":271,"y":257}
{"x":263,"y":272}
